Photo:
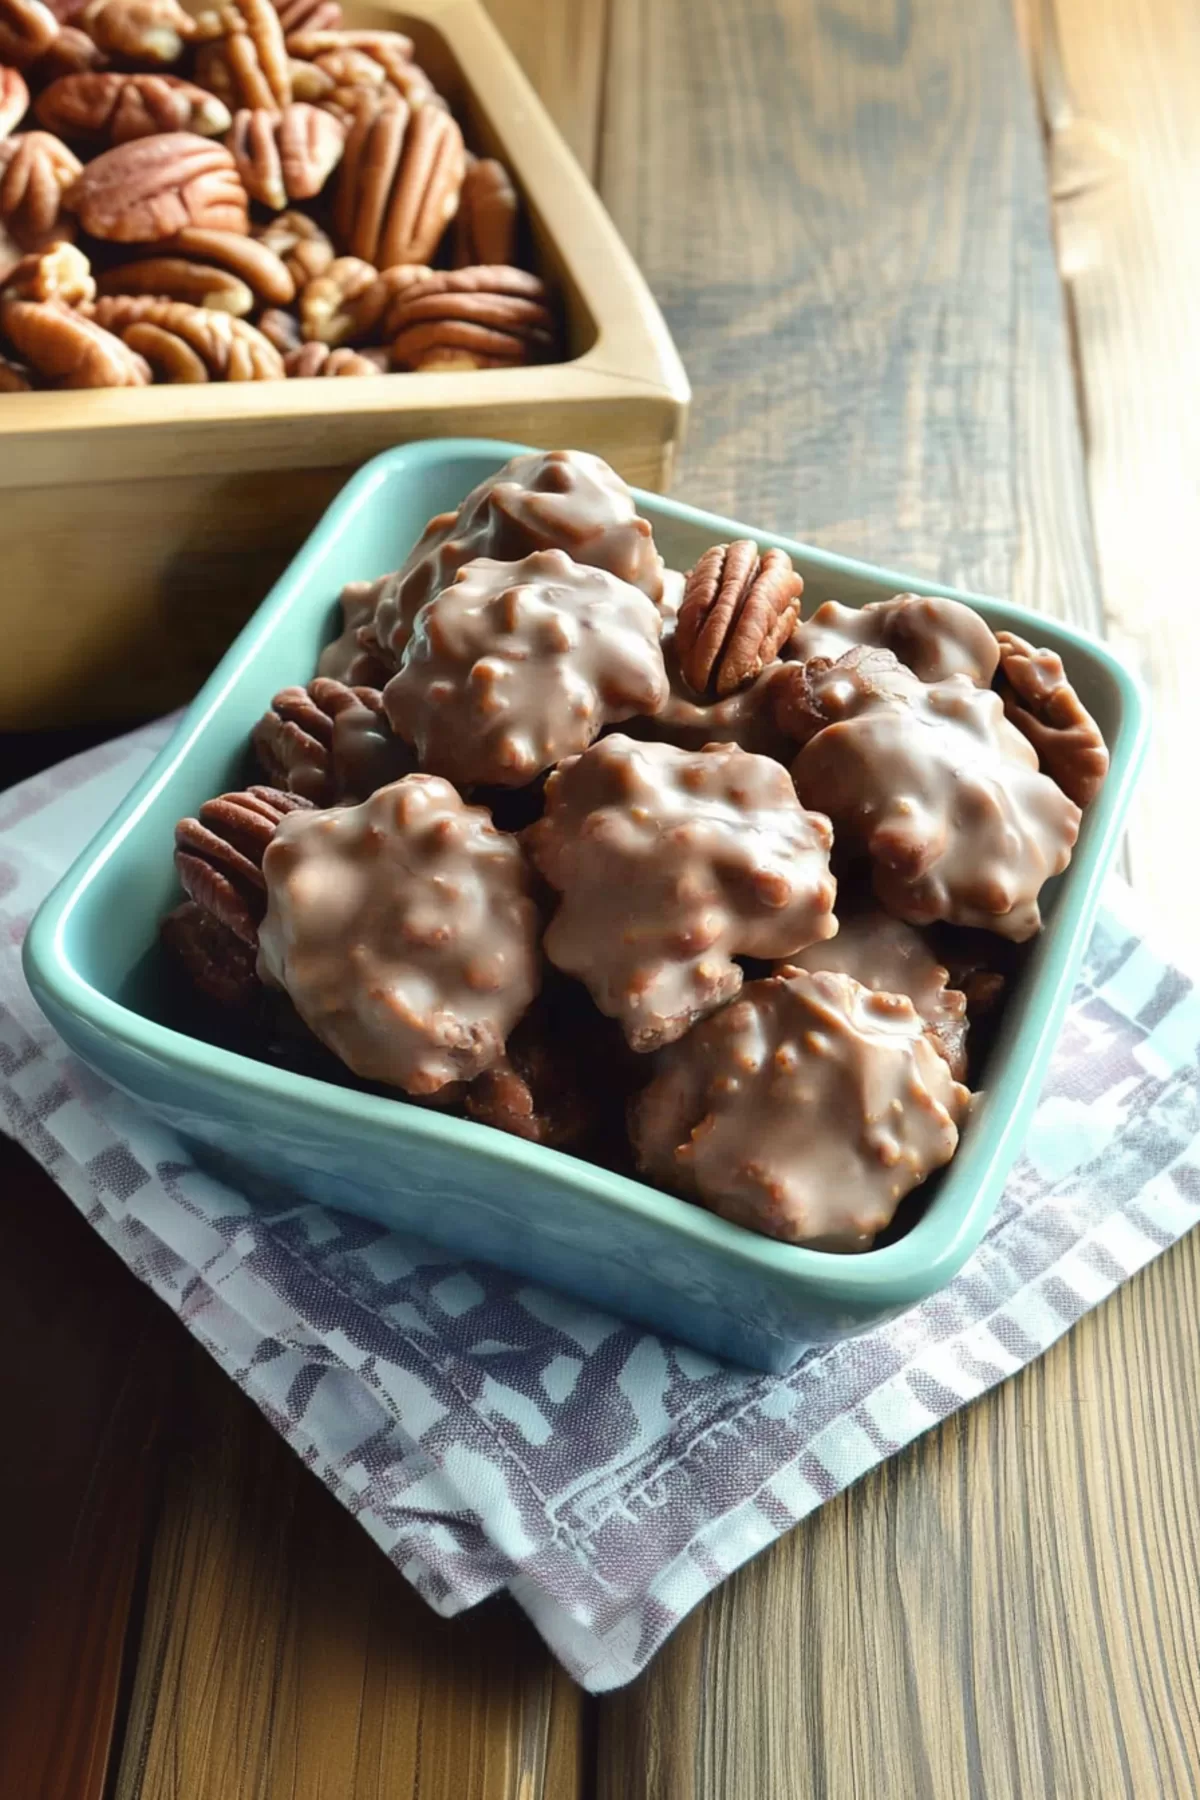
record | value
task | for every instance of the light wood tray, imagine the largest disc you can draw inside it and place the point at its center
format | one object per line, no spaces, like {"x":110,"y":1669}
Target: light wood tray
{"x":139,"y":527}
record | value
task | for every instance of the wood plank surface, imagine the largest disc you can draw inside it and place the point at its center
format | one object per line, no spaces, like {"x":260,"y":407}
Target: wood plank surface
{"x":89,"y":1359}
{"x":283,"y":1658}
{"x":858,"y":268}
{"x":1120,"y":86}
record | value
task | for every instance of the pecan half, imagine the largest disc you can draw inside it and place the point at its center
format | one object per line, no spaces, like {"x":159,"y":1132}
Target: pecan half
{"x":218,"y":962}
{"x":342,"y":53}
{"x":175,"y":278}
{"x":111,"y":108}
{"x":230,"y":349}
{"x":60,"y":272}
{"x":485,"y":229}
{"x":286,"y":155}
{"x":153,"y":32}
{"x":13,"y":378}
{"x":69,"y":351}
{"x":329,"y":742}
{"x":149,"y":189}
{"x":242,"y":56}
{"x":399,"y":184}
{"x":247,"y":258}
{"x":327,"y":311}
{"x":1040,"y":701}
{"x":14,"y":100}
{"x":73,"y":52}
{"x":488,"y":318}
{"x":309,"y":15}
{"x":309,"y":83}
{"x":281,"y":329}
{"x":35,"y":169}
{"x":27,"y":30}
{"x":359,"y":311}
{"x":318,"y":359}
{"x":299,"y":243}
{"x":219,"y":854}
{"x":737,"y":612}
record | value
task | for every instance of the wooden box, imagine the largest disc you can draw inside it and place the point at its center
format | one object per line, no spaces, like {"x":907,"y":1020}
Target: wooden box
{"x":139,"y":527}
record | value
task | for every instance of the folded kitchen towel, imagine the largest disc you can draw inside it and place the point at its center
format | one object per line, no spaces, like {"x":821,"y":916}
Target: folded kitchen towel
{"x":493,"y":1435}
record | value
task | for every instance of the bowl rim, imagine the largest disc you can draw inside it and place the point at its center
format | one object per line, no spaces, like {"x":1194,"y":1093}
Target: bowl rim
{"x":917,"y":1264}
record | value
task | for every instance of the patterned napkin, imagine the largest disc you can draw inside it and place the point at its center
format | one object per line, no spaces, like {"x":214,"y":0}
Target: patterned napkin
{"x":489,"y":1434}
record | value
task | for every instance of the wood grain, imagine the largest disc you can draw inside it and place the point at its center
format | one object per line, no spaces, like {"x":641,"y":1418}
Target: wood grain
{"x":89,"y":1358}
{"x":562,"y":49}
{"x":1008,"y":1609}
{"x":282,"y":1657}
{"x":1120,"y":85}
{"x":841,"y":206}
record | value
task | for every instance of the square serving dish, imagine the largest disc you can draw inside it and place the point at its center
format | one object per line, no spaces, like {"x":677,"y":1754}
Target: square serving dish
{"x":152,"y":520}
{"x":92,"y":961}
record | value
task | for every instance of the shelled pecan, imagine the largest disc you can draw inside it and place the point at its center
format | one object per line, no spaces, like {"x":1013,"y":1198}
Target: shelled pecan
{"x":327,"y":313}
{"x":242,"y":55}
{"x":737,"y":612}
{"x":14,"y":379}
{"x":27,"y":29}
{"x":218,"y":963}
{"x":284,"y":156}
{"x":111,"y":108}
{"x":282,"y":329}
{"x":35,"y":171}
{"x":147,"y":190}
{"x":485,"y":228}
{"x":399,"y":184}
{"x":250,"y":259}
{"x":176,"y":278}
{"x":14,"y":100}
{"x":318,"y":359}
{"x":309,"y":15}
{"x":219,"y":853}
{"x":229,"y":349}
{"x":73,"y":52}
{"x":67,"y":350}
{"x":487,"y":318}
{"x":61,"y":272}
{"x":299,"y":243}
{"x":151,"y":33}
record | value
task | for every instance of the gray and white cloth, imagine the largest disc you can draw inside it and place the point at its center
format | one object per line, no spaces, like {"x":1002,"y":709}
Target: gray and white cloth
{"x":489,"y":1434}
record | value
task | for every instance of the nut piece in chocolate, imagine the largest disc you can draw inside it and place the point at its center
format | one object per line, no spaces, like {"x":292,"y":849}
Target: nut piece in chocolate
{"x":518,"y":664}
{"x":404,"y":933}
{"x":669,"y":864}
{"x":1044,"y":707}
{"x":891,"y":957}
{"x":806,"y":1110}
{"x":561,"y":500}
{"x":933,"y":784}
{"x":933,"y":637}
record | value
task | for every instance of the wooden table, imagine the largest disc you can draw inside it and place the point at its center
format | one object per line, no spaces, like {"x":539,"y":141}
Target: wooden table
{"x":932,"y":277}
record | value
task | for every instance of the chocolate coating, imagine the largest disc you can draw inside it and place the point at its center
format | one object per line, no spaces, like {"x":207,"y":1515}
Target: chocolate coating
{"x":890,"y":957}
{"x":348,"y":658}
{"x":805,"y":1110}
{"x":559,"y":500}
{"x":404,"y":933}
{"x":933,"y":637}
{"x":935,"y":785}
{"x":518,"y":664}
{"x":669,"y":864}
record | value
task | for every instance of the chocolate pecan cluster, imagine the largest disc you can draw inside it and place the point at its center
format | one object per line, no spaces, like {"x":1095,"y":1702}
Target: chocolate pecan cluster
{"x":249,"y":193}
{"x":642,"y":866}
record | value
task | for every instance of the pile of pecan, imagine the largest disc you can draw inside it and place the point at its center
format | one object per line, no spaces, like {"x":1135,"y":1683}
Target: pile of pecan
{"x":243,"y":194}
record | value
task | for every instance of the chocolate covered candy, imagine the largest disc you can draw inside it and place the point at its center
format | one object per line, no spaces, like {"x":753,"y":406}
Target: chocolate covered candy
{"x":557,"y":500}
{"x":670,"y":863}
{"x":404,"y":933}
{"x":518,"y":664}
{"x":933,"y":637}
{"x":931,"y":781}
{"x":806,"y":1109}
{"x":329,"y":742}
{"x":891,"y":957}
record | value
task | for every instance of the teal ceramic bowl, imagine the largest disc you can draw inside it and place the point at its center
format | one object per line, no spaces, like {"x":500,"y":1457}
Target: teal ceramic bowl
{"x":92,"y":962}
